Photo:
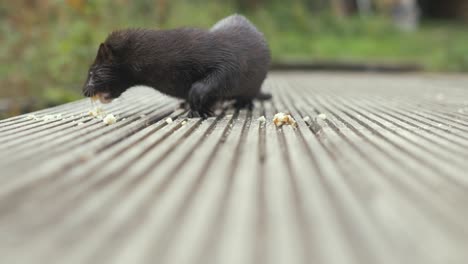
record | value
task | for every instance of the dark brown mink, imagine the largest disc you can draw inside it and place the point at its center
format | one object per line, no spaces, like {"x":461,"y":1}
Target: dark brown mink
{"x":229,"y":61}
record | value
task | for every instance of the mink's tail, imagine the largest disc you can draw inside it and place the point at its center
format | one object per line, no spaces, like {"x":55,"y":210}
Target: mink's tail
{"x":263,"y":96}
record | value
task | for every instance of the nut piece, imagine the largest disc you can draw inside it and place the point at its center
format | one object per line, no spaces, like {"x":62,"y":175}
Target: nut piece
{"x":109,"y":119}
{"x":284,"y":119}
{"x":262,"y":119}
{"x":306,"y":119}
{"x":169,"y":120}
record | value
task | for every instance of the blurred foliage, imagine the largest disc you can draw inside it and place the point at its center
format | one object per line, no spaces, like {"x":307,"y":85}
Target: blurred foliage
{"x":47,"y":45}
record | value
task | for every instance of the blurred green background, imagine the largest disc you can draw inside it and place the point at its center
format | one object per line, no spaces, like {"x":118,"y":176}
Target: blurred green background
{"x":46,"y":46}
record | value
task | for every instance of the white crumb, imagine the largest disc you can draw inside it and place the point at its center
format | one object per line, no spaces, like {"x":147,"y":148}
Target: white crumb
{"x":322,"y":116}
{"x":306,"y":119}
{"x":47,"y":117}
{"x":96,"y":112}
{"x":262,"y":119}
{"x":124,"y":119}
{"x":229,"y":116}
{"x":142,"y":115}
{"x":284,"y":119}
{"x":79,"y":123}
{"x":169,"y":120}
{"x":29,"y":117}
{"x":183,"y":122}
{"x":109,"y":119}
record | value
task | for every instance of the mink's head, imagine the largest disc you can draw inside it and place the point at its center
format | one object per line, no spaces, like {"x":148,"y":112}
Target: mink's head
{"x":107,"y":77}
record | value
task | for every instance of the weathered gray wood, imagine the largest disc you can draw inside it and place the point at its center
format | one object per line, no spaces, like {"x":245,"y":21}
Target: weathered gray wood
{"x":383,"y":179}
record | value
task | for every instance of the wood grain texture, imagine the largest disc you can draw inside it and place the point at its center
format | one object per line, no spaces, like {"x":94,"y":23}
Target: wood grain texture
{"x":382,"y":179}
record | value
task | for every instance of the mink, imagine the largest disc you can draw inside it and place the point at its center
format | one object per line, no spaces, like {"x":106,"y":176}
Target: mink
{"x":227,"y":62}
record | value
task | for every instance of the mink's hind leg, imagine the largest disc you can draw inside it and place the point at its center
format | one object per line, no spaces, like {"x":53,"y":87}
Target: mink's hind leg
{"x":201,"y":100}
{"x":206,"y":92}
{"x":243,"y":103}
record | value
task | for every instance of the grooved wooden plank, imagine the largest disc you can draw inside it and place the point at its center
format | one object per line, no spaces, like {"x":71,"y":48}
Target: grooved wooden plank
{"x":382,"y":179}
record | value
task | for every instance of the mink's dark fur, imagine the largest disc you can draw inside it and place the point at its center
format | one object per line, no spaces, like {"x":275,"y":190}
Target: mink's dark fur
{"x":229,"y":61}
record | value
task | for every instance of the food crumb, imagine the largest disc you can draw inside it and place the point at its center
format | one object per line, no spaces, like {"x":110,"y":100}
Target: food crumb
{"x":79,"y":123}
{"x":282,"y":119}
{"x":29,"y":117}
{"x":183,"y":122}
{"x":169,"y":120}
{"x":306,"y":119}
{"x":47,"y":117}
{"x":322,"y":116}
{"x":262,"y":119}
{"x":96,"y":112}
{"x":109,"y":119}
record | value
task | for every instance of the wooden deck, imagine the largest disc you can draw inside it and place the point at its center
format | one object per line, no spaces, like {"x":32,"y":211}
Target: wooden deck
{"x":382,"y":179}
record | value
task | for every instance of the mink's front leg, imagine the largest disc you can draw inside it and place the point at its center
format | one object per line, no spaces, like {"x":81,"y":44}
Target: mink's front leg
{"x":207,"y":91}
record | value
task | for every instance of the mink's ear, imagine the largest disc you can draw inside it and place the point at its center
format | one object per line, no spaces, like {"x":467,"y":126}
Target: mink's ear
{"x":105,"y":53}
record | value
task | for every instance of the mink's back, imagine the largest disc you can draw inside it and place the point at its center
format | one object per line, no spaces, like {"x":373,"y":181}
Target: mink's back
{"x":172,"y":60}
{"x":251,"y":50}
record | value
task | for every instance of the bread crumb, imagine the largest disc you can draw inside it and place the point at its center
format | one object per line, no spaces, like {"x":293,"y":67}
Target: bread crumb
{"x":322,"y":116}
{"x":284,"y":119}
{"x":262,"y":119}
{"x":306,"y":119}
{"x":183,"y":122}
{"x":29,"y":117}
{"x":47,"y":117}
{"x":96,"y":112}
{"x":79,"y":123}
{"x":169,"y":120}
{"x":109,"y":119}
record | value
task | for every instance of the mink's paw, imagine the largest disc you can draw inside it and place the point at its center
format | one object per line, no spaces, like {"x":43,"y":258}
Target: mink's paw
{"x":202,"y":114}
{"x":200,"y":101}
{"x":243,"y":103}
{"x":198,"y":96}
